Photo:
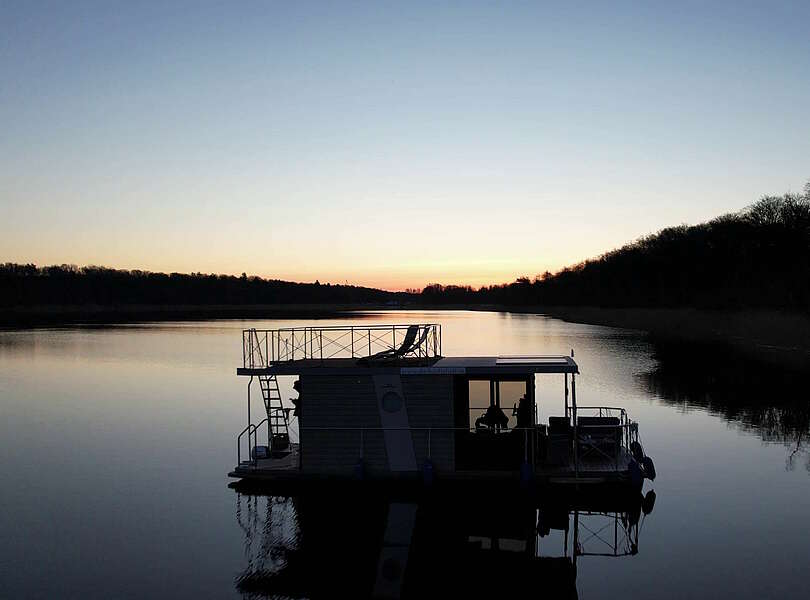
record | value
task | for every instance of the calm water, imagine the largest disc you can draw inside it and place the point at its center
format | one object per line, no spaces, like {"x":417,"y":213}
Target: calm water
{"x":115,"y":444}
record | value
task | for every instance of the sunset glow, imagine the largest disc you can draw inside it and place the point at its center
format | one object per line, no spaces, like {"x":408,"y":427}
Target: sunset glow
{"x":384,"y":147}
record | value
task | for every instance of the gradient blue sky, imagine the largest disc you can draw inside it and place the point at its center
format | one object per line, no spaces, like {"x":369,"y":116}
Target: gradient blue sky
{"x":388,"y":144}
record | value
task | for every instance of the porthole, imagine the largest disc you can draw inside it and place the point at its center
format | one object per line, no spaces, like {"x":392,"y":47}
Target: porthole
{"x":392,"y":402}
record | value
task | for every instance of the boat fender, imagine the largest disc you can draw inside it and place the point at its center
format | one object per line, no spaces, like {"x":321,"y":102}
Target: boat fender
{"x":648,"y":502}
{"x":637,"y":450}
{"x":526,"y":475}
{"x":649,"y":468}
{"x":360,"y":470}
{"x":636,"y":477}
{"x":428,"y":473}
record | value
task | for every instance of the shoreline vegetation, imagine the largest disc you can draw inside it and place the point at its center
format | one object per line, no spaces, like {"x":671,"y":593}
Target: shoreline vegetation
{"x":742,"y":279}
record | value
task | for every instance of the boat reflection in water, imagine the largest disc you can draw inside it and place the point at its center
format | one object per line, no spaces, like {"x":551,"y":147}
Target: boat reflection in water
{"x":370,"y":545}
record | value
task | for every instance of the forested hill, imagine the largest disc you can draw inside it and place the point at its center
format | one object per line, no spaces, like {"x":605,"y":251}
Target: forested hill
{"x":67,"y":285}
{"x":757,"y":258}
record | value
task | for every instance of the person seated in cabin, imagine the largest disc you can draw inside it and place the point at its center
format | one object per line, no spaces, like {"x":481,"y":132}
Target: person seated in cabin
{"x":522,"y":411}
{"x":493,"y":418}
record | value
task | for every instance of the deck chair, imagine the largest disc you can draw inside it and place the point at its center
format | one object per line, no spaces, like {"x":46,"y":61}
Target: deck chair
{"x":408,"y":345}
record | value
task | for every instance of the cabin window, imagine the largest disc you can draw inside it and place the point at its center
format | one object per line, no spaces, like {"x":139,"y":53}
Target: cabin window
{"x":493,"y":416}
{"x":503,"y":394}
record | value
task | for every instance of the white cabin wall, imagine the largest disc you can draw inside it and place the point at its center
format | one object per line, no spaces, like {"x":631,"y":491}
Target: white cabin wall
{"x":430,"y":404}
{"x":338,"y":401}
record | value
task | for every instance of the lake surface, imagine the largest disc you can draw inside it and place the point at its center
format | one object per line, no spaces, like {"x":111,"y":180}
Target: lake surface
{"x":115,"y":443}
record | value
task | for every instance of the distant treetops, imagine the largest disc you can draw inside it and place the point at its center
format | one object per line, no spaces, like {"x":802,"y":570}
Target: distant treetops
{"x":756,"y":258}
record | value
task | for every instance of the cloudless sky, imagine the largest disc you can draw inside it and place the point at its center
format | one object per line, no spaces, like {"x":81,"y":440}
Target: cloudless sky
{"x":388,"y":144}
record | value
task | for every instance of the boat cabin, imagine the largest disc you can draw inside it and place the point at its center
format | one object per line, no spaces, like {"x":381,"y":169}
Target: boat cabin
{"x":381,"y":402}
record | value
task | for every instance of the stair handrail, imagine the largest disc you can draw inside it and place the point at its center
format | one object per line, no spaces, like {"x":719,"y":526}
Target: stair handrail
{"x":239,"y":443}
{"x":256,"y":438}
{"x":253,"y":435}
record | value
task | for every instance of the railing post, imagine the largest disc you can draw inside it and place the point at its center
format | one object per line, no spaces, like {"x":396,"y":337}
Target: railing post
{"x":369,"y":341}
{"x":428,"y":449}
{"x":361,"y":443}
{"x":320,"y":342}
{"x":352,"y":334}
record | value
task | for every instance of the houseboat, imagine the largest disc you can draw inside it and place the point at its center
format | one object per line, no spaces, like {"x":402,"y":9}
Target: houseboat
{"x":381,"y":403}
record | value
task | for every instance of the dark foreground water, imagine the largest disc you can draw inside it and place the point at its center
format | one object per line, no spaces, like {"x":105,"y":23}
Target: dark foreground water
{"x":115,"y":443}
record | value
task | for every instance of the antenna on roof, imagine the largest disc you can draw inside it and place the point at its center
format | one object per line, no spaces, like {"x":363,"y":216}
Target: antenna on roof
{"x":572,"y":353}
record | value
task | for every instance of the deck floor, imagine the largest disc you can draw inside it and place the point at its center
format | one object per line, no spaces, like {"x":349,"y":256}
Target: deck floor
{"x":592,"y":467}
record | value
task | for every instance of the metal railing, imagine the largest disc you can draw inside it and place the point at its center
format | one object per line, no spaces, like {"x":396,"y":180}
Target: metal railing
{"x":252,"y":441}
{"x":590,"y":443}
{"x":264,"y":347}
{"x":628,"y":428}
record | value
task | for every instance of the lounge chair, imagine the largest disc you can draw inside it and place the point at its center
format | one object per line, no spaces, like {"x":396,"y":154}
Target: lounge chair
{"x":408,"y":345}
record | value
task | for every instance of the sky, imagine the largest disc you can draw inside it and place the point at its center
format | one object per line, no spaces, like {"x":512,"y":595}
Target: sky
{"x":388,"y":144}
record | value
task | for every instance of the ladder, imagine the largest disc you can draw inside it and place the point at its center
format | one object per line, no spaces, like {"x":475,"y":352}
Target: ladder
{"x":277,"y":414}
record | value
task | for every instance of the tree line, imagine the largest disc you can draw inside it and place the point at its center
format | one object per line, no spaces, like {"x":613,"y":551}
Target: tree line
{"x":69,"y":285}
{"x":756,"y":258}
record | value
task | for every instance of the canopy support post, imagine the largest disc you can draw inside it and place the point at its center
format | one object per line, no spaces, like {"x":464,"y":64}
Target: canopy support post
{"x":250,"y":381}
{"x":574,"y":413}
{"x":565,"y":376}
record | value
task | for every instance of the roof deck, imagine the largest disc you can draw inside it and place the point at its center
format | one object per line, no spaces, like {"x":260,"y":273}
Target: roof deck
{"x":405,"y":349}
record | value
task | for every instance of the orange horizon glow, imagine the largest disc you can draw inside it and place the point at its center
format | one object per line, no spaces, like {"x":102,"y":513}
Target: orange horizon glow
{"x":399,"y":281}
